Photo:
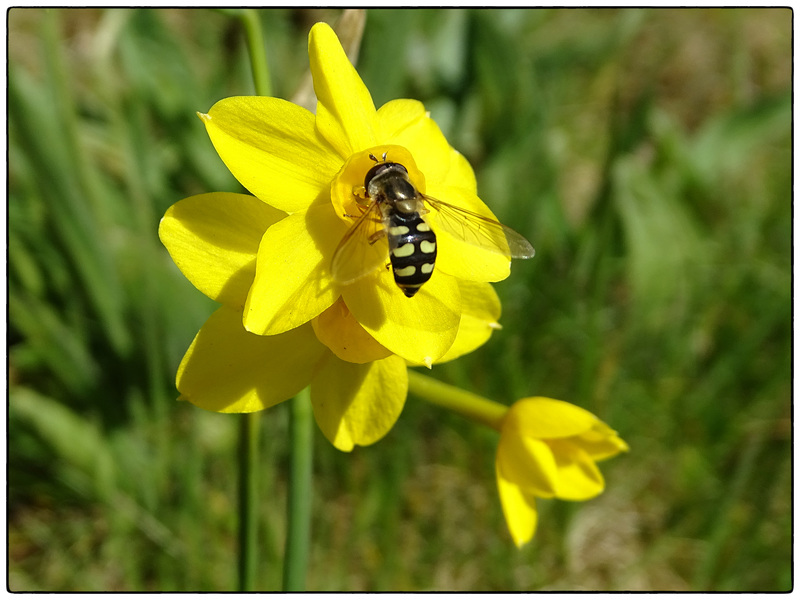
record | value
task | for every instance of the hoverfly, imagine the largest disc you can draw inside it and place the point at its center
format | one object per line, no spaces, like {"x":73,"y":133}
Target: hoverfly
{"x":394,"y":210}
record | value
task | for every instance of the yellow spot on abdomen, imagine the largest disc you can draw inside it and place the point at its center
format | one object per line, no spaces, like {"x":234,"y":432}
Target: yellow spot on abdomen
{"x":405,"y":271}
{"x":427,"y":268}
{"x":404,"y":250}
{"x":398,"y":230}
{"x":427,"y":247}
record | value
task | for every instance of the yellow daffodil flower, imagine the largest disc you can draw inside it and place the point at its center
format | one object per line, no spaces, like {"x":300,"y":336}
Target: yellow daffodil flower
{"x":548,"y":449}
{"x":308,"y":166}
{"x":285,"y":323}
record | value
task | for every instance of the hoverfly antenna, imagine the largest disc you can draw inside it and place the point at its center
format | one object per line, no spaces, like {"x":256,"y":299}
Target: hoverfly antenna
{"x":383,"y":157}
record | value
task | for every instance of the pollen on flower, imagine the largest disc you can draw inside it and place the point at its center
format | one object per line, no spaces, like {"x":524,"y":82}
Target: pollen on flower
{"x":495,"y":325}
{"x":428,"y":362}
{"x":203,"y":116}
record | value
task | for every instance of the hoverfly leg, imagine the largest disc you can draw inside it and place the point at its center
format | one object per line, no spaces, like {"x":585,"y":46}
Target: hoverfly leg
{"x":361,"y":208}
{"x":360,"y":193}
{"x":376,"y":236}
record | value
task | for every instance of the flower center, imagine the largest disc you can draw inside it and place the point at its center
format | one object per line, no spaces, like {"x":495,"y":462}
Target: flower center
{"x":348,"y":195}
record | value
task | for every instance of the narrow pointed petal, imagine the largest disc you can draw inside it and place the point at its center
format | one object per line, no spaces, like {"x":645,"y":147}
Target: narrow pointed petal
{"x":420,"y":329}
{"x":213,"y":239}
{"x":461,"y":173}
{"x":292,"y":283}
{"x":272,"y":148}
{"x":601,"y":442}
{"x":229,"y":370}
{"x":546,"y":418}
{"x":358,"y":404}
{"x":405,"y":123}
{"x":345,"y":111}
{"x":396,"y":116}
{"x":519,"y":510}
{"x":341,"y":333}
{"x":528,"y":463}
{"x":578,"y":475}
{"x":479,"y":319}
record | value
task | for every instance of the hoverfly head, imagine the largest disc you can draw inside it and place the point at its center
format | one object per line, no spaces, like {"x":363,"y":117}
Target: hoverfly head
{"x":382,"y":167}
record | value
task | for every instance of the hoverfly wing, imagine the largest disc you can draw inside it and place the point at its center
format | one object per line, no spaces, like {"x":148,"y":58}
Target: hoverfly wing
{"x":361,"y":250}
{"x":480,"y":231}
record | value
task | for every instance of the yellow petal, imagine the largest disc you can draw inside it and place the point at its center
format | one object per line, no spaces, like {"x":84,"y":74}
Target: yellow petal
{"x":292,"y":283}
{"x":480,"y":313}
{"x":340,"y":332}
{"x":461,"y":173}
{"x":227,"y":369}
{"x":528,"y":463}
{"x":457,"y":256}
{"x":420,"y":329}
{"x":397,"y":115}
{"x":578,"y":475}
{"x":405,"y":126}
{"x":519,"y":510}
{"x":213,"y":239}
{"x":358,"y":404}
{"x":600,"y":442}
{"x":545,"y":418}
{"x":345,"y":112}
{"x":272,"y":148}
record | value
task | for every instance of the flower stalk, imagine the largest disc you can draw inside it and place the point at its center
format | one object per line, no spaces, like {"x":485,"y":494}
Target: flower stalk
{"x":255,"y":48}
{"x":467,"y":404}
{"x":249,"y":425}
{"x":298,"y":504}
{"x":547,"y":449}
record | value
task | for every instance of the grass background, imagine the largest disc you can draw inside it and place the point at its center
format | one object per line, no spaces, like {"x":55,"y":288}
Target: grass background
{"x":647,"y":155}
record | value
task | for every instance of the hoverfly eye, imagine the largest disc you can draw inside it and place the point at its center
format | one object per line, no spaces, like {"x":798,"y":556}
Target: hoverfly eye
{"x":375,"y":171}
{"x":371,"y":174}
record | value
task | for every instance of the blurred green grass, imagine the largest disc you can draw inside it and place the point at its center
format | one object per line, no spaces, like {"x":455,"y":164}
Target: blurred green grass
{"x":646,"y":153}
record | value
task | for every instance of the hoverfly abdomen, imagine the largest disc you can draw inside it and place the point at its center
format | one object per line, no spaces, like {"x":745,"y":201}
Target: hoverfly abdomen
{"x":412,"y":250}
{"x":412,"y":244}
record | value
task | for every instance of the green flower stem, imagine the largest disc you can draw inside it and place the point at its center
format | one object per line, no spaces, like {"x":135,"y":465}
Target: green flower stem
{"x":298,"y":534}
{"x":467,"y":404}
{"x":248,"y":496}
{"x":255,"y":47}
{"x":301,"y":420}
{"x":249,"y":425}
